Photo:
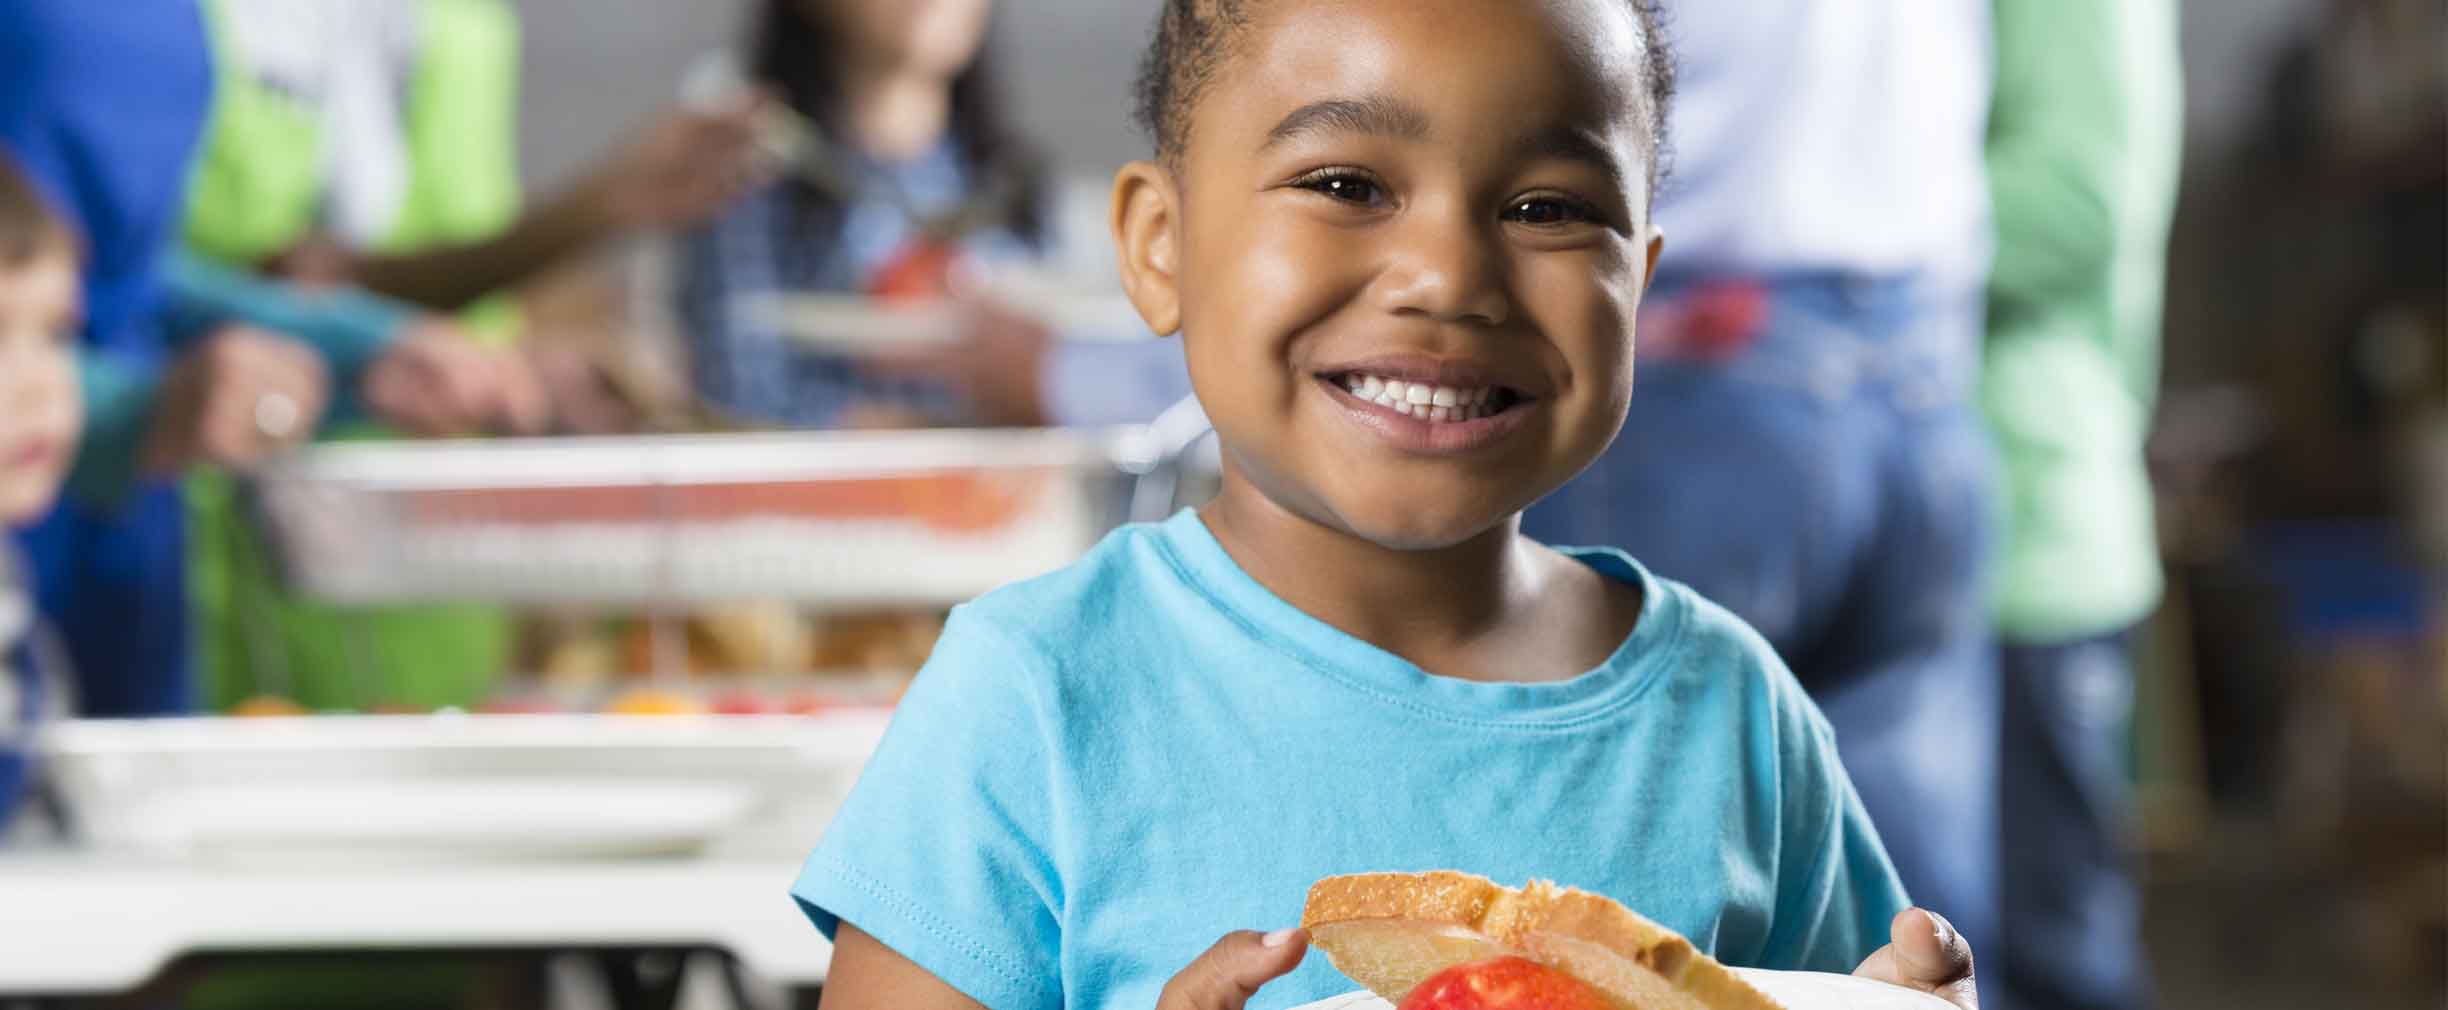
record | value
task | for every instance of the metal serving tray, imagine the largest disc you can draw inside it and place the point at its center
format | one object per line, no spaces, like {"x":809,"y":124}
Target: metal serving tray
{"x":918,"y":518}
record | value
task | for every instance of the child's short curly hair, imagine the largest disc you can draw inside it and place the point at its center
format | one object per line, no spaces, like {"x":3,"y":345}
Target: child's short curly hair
{"x":1194,"y":37}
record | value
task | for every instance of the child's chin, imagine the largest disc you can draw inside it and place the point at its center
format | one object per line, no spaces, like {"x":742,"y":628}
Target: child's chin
{"x":1403,"y":530}
{"x":20,"y":506}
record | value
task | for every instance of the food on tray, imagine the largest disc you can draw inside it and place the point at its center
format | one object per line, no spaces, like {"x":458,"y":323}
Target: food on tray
{"x":568,"y":651}
{"x":884,"y":642}
{"x":517,"y":705}
{"x":1504,"y":983}
{"x":770,"y":636}
{"x":267,"y":705}
{"x":1395,"y":932}
{"x":743,"y":703}
{"x":652,"y":702}
{"x":956,"y":502}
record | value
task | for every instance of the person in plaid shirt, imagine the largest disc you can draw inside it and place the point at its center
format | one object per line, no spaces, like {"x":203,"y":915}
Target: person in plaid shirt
{"x":911,"y":167}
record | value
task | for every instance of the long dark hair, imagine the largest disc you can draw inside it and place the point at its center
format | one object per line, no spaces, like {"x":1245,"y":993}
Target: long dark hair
{"x":801,"y":57}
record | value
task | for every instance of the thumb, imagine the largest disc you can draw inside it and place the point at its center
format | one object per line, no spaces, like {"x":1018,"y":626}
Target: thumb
{"x":1229,"y":973}
{"x":1925,"y":953}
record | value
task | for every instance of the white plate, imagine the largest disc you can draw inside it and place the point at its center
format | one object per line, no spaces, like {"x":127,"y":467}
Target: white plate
{"x":1796,"y":990}
{"x":852,"y":322}
{"x":856,"y":323}
{"x":458,"y":786}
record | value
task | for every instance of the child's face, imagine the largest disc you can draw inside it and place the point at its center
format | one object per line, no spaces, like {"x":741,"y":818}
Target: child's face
{"x":40,"y":407}
{"x":1441,"y":193}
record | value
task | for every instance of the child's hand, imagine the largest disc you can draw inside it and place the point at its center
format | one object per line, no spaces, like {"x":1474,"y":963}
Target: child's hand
{"x":1925,"y":954}
{"x":1230,"y":972}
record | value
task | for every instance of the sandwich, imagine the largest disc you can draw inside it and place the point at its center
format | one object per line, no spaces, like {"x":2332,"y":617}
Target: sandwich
{"x":1446,"y":940}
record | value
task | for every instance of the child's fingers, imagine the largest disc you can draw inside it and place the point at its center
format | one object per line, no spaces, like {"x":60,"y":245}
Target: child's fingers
{"x":1929,"y":949}
{"x":1229,"y":973}
{"x":1927,"y":954}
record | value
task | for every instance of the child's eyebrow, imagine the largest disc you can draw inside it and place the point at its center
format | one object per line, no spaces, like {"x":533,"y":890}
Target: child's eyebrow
{"x":1381,"y":115}
{"x":1572,"y":143}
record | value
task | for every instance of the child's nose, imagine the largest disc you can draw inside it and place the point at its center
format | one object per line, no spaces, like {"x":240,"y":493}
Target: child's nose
{"x":1444,"y":265}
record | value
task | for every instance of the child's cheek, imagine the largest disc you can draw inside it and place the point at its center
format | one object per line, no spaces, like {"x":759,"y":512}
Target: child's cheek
{"x":1270,"y":286}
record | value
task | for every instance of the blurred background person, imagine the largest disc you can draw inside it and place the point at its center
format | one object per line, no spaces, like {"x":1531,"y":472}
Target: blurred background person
{"x":39,"y":413}
{"x":373,"y":144}
{"x":1804,"y":445}
{"x":168,"y":381}
{"x":911,"y":167}
{"x":2085,"y":137}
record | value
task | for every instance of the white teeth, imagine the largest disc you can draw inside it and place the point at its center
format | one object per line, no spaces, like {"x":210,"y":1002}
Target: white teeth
{"x":1426,"y":401}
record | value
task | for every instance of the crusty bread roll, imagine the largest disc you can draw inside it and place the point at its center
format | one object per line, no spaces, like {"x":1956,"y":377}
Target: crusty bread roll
{"x":1391,"y":931}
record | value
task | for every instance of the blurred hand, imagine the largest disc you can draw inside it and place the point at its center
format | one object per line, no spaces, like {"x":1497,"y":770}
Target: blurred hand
{"x":584,"y":401}
{"x":1229,"y":973}
{"x":1925,"y":954}
{"x":998,"y":367}
{"x":435,"y":381}
{"x":236,"y":398}
{"x":685,"y":167}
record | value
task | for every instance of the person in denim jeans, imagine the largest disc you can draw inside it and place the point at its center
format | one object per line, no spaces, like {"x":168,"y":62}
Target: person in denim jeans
{"x":1805,"y":444}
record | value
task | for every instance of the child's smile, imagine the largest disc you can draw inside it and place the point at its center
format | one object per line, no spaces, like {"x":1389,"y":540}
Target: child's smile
{"x":1405,"y":243}
{"x":1426,"y":405}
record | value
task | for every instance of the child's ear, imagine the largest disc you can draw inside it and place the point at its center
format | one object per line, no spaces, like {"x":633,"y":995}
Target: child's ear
{"x":1146,"y":229}
{"x":1657,"y":246}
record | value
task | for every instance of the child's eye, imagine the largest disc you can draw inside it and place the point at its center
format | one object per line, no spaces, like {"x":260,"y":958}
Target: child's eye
{"x":1548,"y":211}
{"x":1344,"y":185}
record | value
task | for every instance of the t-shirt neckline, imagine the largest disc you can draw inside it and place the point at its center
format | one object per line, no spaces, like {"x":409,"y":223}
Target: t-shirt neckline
{"x":1642,"y":656}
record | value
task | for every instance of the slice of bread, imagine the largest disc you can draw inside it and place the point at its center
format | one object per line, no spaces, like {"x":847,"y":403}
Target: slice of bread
{"x":1391,"y":931}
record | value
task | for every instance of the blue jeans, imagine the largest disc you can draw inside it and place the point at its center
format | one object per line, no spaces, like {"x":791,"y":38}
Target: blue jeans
{"x":1827,"y":477}
{"x":2073,"y":912}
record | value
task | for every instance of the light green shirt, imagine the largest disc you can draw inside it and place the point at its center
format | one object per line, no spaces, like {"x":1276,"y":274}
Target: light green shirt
{"x":261,"y":185}
{"x":2083,"y":151}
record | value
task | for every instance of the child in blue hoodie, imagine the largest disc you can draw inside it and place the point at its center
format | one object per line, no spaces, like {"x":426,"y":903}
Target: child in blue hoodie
{"x":40,"y":408}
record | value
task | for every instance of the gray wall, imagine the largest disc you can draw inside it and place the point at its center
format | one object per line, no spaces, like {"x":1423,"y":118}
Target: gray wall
{"x":596,"y":68}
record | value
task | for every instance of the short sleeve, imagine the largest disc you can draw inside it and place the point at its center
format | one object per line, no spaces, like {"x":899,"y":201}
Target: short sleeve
{"x":940,"y":851}
{"x":1836,"y":890}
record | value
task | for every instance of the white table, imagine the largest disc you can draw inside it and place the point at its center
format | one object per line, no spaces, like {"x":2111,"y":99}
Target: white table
{"x":74,"y":923}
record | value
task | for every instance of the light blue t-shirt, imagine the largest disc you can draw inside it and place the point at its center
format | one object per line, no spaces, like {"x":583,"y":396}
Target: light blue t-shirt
{"x":1101,"y":771}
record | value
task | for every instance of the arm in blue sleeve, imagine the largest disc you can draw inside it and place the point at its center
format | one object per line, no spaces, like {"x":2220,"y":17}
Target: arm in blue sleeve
{"x":350,"y":328}
{"x":119,"y":394}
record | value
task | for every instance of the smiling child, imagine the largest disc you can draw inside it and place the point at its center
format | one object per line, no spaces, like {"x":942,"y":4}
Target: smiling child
{"x":1404,"y":244}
